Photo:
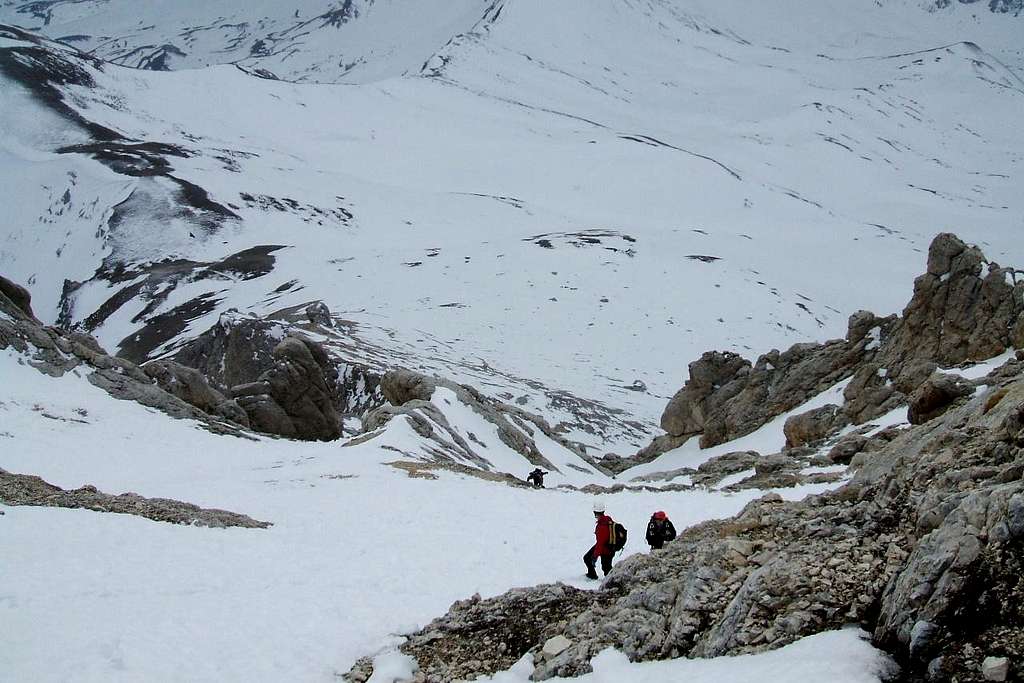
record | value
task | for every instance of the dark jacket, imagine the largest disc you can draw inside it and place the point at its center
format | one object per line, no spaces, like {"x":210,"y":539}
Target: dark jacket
{"x":660,"y":531}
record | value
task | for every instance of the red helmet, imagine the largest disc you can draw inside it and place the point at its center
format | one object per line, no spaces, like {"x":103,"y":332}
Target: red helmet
{"x":660,"y":515}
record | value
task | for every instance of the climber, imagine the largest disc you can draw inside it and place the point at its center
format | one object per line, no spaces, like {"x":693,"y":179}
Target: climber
{"x":602,"y":548}
{"x":659,"y":530}
{"x":536,"y":478}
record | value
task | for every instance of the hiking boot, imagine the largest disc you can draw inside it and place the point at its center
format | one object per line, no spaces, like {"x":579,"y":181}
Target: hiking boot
{"x":592,"y":575}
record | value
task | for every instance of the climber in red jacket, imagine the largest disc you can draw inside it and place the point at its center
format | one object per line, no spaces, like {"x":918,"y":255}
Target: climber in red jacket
{"x":602,"y":548}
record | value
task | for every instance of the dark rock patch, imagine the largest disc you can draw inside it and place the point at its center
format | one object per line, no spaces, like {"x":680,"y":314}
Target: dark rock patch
{"x":23,"y":489}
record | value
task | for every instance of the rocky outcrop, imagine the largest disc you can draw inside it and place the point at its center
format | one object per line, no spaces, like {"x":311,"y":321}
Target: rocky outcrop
{"x":17,"y":296}
{"x":237,"y":350}
{"x":293,"y":398}
{"x":401,"y":386}
{"x":55,"y":352}
{"x":727,"y":397}
{"x":190,"y":386}
{"x":923,"y":548}
{"x":23,"y":489}
{"x":964,"y":308}
{"x":409,"y":394}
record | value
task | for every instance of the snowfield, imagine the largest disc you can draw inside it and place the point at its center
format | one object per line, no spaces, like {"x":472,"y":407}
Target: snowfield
{"x":359,"y":552}
{"x":574,"y":197}
{"x":562,"y":204}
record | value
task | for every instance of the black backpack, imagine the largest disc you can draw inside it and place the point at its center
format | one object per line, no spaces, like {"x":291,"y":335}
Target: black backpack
{"x":617,"y":537}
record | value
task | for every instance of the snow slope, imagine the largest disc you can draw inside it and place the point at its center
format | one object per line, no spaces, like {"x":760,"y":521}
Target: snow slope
{"x":579,"y":199}
{"x":358,"y":552}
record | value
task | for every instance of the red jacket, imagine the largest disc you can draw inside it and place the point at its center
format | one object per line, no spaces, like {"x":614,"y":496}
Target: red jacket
{"x":602,"y":532}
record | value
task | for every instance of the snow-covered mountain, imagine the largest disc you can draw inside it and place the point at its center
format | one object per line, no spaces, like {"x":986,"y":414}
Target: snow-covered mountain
{"x":546,"y":199}
{"x":545,"y":210}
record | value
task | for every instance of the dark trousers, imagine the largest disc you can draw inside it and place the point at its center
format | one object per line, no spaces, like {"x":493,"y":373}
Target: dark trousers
{"x":591,"y":561}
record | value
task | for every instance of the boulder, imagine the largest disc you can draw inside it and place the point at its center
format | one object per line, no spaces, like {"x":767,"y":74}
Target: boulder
{"x":318,"y":314}
{"x":842,"y":453}
{"x":935,"y":396}
{"x":401,"y":385}
{"x":17,"y":295}
{"x":813,"y":425}
{"x":995,"y":668}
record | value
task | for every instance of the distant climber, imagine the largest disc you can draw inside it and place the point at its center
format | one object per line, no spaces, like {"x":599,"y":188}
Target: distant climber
{"x":537,"y":478}
{"x":660,"y":530}
{"x":603,"y":547}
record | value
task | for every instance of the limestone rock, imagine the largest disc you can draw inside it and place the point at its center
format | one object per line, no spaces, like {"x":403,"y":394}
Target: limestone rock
{"x":935,"y":396}
{"x":237,"y":350}
{"x":318,"y":314}
{"x":963,"y":308}
{"x":922,"y":548}
{"x":190,"y":386}
{"x":17,"y":295}
{"x":293,"y":398}
{"x":812,"y":426}
{"x":555,"y":646}
{"x":400,"y":386}
{"x":21,"y":489}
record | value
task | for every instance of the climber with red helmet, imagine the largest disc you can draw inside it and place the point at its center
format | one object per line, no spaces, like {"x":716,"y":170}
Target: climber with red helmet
{"x":660,"y":530}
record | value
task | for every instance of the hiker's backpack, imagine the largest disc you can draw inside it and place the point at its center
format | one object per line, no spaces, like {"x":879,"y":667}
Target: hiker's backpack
{"x":616,"y":537}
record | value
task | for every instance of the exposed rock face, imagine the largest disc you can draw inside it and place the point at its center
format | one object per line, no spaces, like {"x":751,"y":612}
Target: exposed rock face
{"x":23,"y":489}
{"x":963,"y":308}
{"x":55,"y":352}
{"x":924,"y":548}
{"x":318,"y":314}
{"x":293,"y":398}
{"x":237,"y":350}
{"x":726,"y":397}
{"x":191,"y":387}
{"x":18,"y":296}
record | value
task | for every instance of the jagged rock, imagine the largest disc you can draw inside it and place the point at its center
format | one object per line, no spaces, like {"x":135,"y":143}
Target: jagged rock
{"x":935,"y":396}
{"x":400,"y":386}
{"x":318,"y":314}
{"x":963,"y":308}
{"x":711,"y":471}
{"x":726,"y":397}
{"x":923,"y":548}
{"x":18,"y":296}
{"x":22,"y":489}
{"x":190,"y":386}
{"x":55,"y":352}
{"x":293,"y":398}
{"x":813,"y":425}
